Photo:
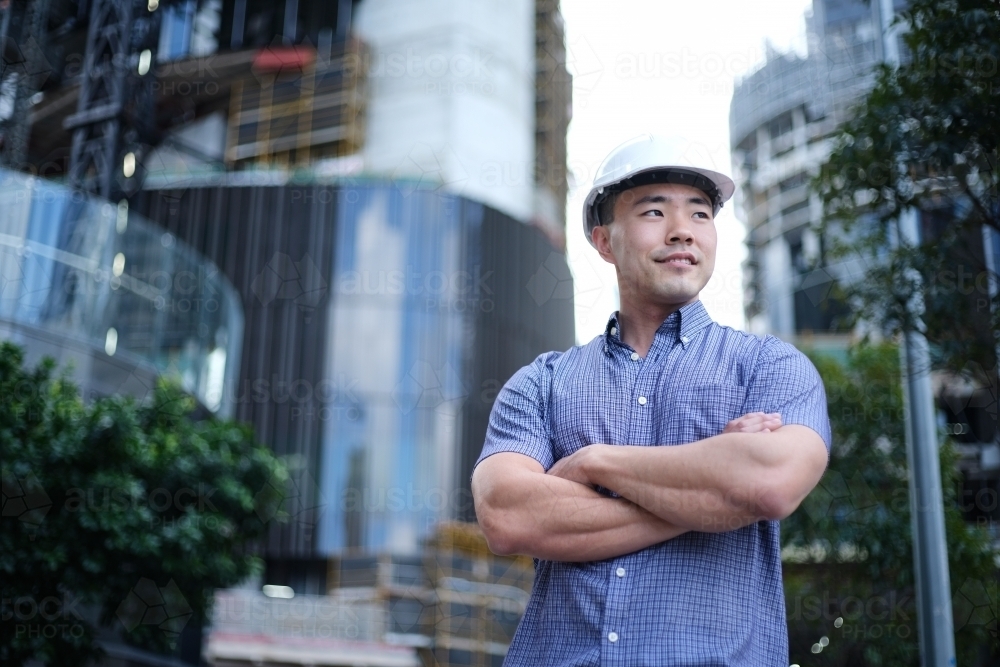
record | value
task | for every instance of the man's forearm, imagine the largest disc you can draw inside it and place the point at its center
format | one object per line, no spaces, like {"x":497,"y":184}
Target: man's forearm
{"x":717,"y":484}
{"x":702,"y":486}
{"x":583,"y":525}
{"x":528,"y":512}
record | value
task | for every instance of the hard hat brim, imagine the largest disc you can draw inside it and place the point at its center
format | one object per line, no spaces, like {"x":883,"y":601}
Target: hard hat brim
{"x":717,"y":186}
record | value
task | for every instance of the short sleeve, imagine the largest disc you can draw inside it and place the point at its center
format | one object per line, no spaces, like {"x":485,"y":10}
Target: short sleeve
{"x":786,"y":381}
{"x":518,"y":421}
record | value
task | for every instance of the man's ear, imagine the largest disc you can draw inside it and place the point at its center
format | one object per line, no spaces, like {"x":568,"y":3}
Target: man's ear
{"x":601,"y":236}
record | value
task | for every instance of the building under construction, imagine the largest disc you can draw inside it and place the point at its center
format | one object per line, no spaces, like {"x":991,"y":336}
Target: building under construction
{"x":380,"y":186}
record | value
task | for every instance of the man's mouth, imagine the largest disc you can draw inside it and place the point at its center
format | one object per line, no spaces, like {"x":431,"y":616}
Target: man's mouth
{"x":683,"y":260}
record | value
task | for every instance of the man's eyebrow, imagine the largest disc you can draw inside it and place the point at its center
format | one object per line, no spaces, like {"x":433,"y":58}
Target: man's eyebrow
{"x":659,"y":199}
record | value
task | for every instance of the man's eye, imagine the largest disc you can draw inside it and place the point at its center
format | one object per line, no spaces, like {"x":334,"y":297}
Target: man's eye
{"x":653,"y":211}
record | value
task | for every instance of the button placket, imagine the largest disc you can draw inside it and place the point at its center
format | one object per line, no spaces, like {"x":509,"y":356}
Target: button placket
{"x":615,"y":627}
{"x":616,"y":609}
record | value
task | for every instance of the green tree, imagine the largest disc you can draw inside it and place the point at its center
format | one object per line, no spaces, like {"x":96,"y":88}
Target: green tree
{"x":118,"y":514}
{"x":926,"y":138}
{"x":850,"y":542}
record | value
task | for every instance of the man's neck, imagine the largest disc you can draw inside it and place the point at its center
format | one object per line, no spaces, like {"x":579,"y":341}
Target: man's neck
{"x":639,"y":322}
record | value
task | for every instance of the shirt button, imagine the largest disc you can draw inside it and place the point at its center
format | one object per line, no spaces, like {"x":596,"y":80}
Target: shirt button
{"x":614,"y":331}
{"x":635,"y":356}
{"x":684,"y":339}
{"x":612,"y":637}
{"x":642,"y":400}
{"x":620,"y":572}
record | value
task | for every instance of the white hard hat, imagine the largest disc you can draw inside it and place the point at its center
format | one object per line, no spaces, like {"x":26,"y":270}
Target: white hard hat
{"x":650,"y":159}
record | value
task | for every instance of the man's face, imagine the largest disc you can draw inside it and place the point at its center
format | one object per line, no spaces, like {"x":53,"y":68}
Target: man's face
{"x":662,"y":242}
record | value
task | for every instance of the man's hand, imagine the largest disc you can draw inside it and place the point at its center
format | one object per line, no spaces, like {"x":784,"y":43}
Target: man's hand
{"x":576,"y":466}
{"x":754,"y":422}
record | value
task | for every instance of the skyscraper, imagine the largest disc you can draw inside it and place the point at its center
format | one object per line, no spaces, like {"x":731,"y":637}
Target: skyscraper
{"x":782,"y":119}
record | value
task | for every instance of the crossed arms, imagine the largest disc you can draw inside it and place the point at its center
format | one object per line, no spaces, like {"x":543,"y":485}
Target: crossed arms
{"x":756,"y":469}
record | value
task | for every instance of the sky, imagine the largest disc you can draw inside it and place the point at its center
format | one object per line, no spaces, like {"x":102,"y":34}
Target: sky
{"x":665,"y":67}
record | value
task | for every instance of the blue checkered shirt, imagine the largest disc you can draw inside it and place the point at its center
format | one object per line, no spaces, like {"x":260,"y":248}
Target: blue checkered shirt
{"x":700,"y":598}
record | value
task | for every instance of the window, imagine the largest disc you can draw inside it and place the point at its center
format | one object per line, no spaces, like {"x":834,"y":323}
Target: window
{"x":781,"y":125}
{"x":175,"y":30}
{"x":793,"y":181}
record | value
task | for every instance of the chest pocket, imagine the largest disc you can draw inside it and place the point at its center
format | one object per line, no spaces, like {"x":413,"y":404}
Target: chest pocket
{"x":700,"y":411}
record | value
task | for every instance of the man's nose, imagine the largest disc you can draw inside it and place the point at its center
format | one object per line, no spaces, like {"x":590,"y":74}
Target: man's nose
{"x":679,"y":229}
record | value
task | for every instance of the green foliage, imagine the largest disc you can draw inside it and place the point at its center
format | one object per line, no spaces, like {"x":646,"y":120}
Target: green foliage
{"x":926,"y":137}
{"x":850,"y":541}
{"x":131,"y":513}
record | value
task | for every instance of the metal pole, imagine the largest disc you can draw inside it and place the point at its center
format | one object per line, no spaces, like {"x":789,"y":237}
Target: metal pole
{"x":930,"y":557}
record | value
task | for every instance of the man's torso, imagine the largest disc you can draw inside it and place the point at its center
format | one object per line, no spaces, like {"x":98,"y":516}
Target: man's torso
{"x":704,"y":598}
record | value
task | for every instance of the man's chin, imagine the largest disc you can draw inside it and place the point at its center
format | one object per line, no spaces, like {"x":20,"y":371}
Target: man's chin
{"x":676,"y":299}
{"x":676,"y":293}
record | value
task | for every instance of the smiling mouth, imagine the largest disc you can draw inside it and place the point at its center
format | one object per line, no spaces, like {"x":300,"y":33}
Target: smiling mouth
{"x":682,"y":261}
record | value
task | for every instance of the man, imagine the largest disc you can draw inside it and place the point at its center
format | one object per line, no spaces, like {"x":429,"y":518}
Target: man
{"x":646,"y":471}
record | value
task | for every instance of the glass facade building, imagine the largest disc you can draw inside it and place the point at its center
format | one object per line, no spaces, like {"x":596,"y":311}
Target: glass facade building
{"x":382,"y":319}
{"x":407,"y":283}
{"x":87,"y":281}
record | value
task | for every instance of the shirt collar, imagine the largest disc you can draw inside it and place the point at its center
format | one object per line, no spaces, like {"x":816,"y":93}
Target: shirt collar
{"x":681,"y":325}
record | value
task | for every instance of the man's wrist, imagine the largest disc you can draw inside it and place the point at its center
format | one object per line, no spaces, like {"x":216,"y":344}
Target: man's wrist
{"x":598,"y":463}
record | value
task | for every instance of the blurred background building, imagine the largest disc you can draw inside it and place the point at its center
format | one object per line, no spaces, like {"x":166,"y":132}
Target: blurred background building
{"x":376,"y":190}
{"x":782,"y":120}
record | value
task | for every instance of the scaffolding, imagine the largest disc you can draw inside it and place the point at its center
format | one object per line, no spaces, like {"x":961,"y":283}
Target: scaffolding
{"x":298,"y":108}
{"x":113,"y":126}
{"x":457,"y":603}
{"x":553,"y":102}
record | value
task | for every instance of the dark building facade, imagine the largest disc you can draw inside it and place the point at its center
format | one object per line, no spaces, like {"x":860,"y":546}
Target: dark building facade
{"x":380,"y":323}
